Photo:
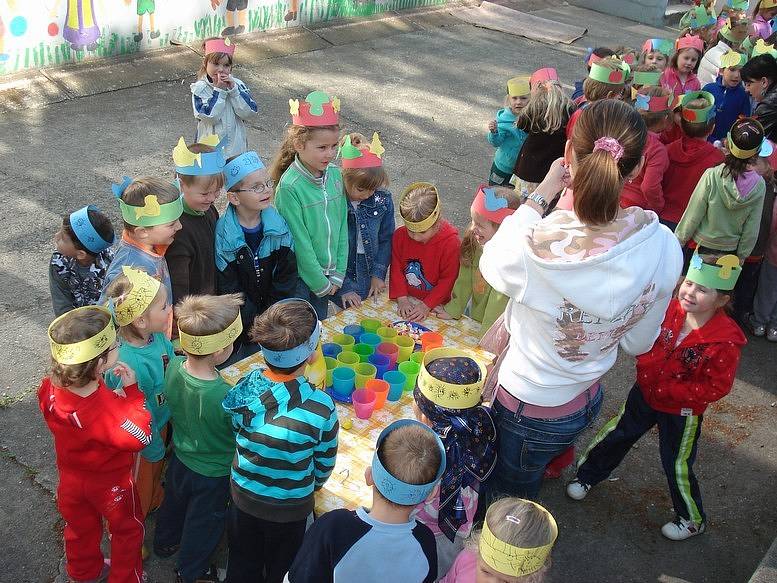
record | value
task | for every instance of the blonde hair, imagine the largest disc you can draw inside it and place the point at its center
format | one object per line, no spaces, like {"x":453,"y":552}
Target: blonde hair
{"x":212,"y":58}
{"x":410,"y":453}
{"x":76,"y":326}
{"x":598,"y":177}
{"x":121,"y":286}
{"x":365,"y":178}
{"x":283,"y":326}
{"x":469,"y":245}
{"x":288,"y":152}
{"x":547,"y":112}
{"x":418,"y":204}
{"x":214,"y":180}
{"x":595,"y":90}
{"x":206,"y":314}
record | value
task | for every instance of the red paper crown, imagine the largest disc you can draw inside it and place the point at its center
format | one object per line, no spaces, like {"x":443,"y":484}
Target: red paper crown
{"x":541,"y":75}
{"x":219,"y":45}
{"x":317,"y":110}
{"x":690,"y":41}
{"x":365,"y":156}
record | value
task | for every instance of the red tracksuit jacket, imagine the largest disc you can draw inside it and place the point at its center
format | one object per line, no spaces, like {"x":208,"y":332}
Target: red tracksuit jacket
{"x":700,"y":370}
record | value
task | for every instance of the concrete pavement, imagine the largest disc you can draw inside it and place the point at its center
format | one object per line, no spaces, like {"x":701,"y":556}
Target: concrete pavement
{"x":428,"y":84}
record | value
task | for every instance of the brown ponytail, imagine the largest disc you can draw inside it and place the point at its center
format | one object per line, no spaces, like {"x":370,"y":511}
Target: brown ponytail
{"x":599,"y":178}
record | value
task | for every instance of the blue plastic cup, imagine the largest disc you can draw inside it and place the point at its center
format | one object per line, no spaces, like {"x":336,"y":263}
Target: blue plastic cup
{"x":382,"y":364}
{"x":343,"y":381}
{"x":354,"y":330}
{"x":396,"y":381}
{"x":371,"y":339}
{"x":331,"y":349}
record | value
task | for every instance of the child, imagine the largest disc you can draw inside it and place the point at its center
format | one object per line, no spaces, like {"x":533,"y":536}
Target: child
{"x":515,"y":545}
{"x":729,"y":38}
{"x":504,"y":135}
{"x":96,"y":435}
{"x":222,"y":103}
{"x":731,"y":99}
{"x":254,"y":249}
{"x":656,"y":52}
{"x":151,"y":209}
{"x":691,"y":364}
{"x":680,"y":76}
{"x":471,"y":293}
{"x":592,"y":56}
{"x":644,"y":76}
{"x":77,"y":268}
{"x":370,"y":220}
{"x":199,"y":168}
{"x":310,"y":197}
{"x":763,"y":321}
{"x":544,"y":119}
{"x":689,"y":156}
{"x":448,"y":399}
{"x":724,"y":211}
{"x":654,"y":105}
{"x":366,"y":545}
{"x":286,"y":445}
{"x":763,"y":12}
{"x":700,"y":21}
{"x":424,"y":254}
{"x":191,"y":519}
{"x":606,"y":80}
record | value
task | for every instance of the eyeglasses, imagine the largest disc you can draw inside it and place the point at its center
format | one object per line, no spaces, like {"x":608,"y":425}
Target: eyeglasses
{"x":259,"y":188}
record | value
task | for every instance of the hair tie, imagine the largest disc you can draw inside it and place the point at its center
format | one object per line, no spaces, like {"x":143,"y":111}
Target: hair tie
{"x":513,"y":519}
{"x":610,"y":145}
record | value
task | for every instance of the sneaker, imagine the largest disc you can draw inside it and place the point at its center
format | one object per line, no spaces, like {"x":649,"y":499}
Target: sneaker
{"x":577,"y":490}
{"x":165,"y":552}
{"x":681,"y":529}
{"x":138,"y":37}
{"x":771,"y":334}
{"x":210,"y":576}
{"x":227,"y":31}
{"x":103,"y":576}
{"x":240,"y":29}
{"x":758,"y":330}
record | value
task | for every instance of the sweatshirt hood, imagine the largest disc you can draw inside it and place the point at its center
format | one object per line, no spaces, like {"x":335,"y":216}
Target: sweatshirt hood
{"x":505,"y":116}
{"x":688,"y":151}
{"x":445,"y":234}
{"x":256,"y":396}
{"x":742,"y":192}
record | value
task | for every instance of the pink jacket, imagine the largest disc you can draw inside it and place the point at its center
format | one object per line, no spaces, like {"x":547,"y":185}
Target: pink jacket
{"x":671,"y":80}
{"x":645,"y":190}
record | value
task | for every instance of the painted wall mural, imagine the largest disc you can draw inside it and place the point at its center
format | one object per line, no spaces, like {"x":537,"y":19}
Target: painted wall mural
{"x":42,"y":33}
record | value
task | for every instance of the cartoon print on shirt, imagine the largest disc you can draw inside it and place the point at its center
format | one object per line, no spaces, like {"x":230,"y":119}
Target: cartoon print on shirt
{"x":414,"y":273}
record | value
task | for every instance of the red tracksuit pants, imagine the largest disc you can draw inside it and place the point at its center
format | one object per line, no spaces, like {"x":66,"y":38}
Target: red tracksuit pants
{"x":84,"y":500}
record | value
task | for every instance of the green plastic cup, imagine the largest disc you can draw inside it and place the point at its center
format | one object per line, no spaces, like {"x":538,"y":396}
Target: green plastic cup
{"x":345,"y":340}
{"x":364,"y":372}
{"x":387,"y":333}
{"x":417,"y":357}
{"x":370,"y":325}
{"x":410,"y":369}
{"x":331,"y":364}
{"x":363,"y":350}
{"x":406,"y":346}
{"x":348,"y":360}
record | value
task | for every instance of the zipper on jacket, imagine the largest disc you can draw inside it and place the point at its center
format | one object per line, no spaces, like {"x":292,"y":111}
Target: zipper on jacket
{"x":328,"y":224}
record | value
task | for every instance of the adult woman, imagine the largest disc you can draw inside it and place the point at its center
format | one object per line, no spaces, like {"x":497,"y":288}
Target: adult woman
{"x":581,"y":283}
{"x":760,"y":78}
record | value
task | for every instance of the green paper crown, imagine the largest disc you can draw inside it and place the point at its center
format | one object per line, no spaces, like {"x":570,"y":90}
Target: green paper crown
{"x":698,"y":115}
{"x":610,"y":76}
{"x":747,"y":46}
{"x":698,"y":17}
{"x":761,"y":48}
{"x":732,"y":59}
{"x":723,"y":275}
{"x":348,"y":151}
{"x":646,"y":78}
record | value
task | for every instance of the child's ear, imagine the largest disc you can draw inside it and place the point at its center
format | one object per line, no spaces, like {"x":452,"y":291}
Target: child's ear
{"x":299,"y":145}
{"x":140,"y":233}
{"x":233,"y":198}
{"x":368,"y":476}
{"x":81,"y":255}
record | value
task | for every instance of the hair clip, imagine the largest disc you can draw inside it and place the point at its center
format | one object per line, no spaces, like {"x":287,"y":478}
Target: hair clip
{"x":513,"y":519}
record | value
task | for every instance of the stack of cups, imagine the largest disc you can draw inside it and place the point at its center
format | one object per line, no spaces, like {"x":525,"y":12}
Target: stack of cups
{"x":363,"y":403}
{"x":410,"y":369}
{"x":370,"y":325}
{"x":406,"y":346}
{"x":354,"y":330}
{"x":343,"y":383}
{"x":396,"y":381}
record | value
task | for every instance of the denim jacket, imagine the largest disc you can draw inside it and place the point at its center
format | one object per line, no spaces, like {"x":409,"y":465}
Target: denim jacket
{"x":375,"y":218}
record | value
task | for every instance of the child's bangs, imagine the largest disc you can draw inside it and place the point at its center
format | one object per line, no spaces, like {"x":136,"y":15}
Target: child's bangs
{"x":366,"y":178}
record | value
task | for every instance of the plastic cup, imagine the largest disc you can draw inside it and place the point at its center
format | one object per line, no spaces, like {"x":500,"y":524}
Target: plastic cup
{"x":371,"y":339}
{"x":389,"y":349}
{"x":396,"y":382}
{"x":364,"y":372}
{"x":418,"y":357}
{"x":406,"y":346}
{"x":354,"y":330}
{"x":370,"y":324}
{"x":331,"y":364}
{"x":343,"y":382}
{"x":363,"y":402}
{"x":381,"y":389}
{"x":431,"y":340}
{"x":363,"y":350}
{"x":410,"y":369}
{"x":345,"y":340}
{"x":382,"y":364}
{"x":387,"y":333}
{"x":348,"y":360}
{"x":331,"y":349}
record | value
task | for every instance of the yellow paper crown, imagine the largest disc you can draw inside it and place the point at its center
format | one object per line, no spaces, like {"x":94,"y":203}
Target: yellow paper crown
{"x":518,"y":86}
{"x":204,"y":345}
{"x":134,"y":303}
{"x":85,"y":350}
{"x":429,"y":221}
{"x":445,"y":394}
{"x":514,"y":561}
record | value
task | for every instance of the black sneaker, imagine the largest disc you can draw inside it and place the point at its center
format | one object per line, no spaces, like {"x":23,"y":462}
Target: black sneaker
{"x":165,"y":552}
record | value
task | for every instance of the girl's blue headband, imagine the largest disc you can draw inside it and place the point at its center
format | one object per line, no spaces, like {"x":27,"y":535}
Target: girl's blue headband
{"x":241,"y":167}
{"x":294,"y":356}
{"x":86,"y":233}
{"x":394,"y":489}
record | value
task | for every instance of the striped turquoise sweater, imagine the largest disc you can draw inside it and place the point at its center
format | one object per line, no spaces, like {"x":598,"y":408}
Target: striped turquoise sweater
{"x":286,"y":445}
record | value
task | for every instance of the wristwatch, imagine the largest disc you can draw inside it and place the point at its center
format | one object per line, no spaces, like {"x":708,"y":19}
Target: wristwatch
{"x":536,"y":198}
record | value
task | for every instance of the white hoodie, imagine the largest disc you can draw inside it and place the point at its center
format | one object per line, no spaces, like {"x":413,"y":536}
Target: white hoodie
{"x":576,"y":292}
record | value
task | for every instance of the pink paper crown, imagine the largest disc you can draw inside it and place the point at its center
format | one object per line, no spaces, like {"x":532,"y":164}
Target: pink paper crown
{"x":542,"y":75}
{"x":219,"y":45}
{"x":690,"y":41}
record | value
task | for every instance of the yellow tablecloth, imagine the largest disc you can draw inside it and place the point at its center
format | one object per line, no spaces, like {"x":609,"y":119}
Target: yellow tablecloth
{"x":346,"y":487}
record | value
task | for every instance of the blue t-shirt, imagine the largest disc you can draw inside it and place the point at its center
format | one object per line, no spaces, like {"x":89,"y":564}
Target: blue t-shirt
{"x":253,"y":236}
{"x":349,"y":545}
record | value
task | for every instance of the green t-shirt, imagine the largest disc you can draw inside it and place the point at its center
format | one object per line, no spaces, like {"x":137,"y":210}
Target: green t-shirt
{"x":202,"y":431}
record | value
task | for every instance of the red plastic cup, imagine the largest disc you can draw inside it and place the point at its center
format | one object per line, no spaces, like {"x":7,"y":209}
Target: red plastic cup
{"x":363,"y":403}
{"x":431,"y":340}
{"x":391,"y":350}
{"x":381,"y":389}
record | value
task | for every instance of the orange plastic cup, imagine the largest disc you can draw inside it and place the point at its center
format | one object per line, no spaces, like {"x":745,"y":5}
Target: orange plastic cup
{"x":381,"y":390}
{"x":431,"y":340}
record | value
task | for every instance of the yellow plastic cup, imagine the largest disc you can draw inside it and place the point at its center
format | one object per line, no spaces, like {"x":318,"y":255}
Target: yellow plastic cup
{"x":370,"y":325}
{"x":387,"y":333}
{"x":406,"y":346}
{"x":417,"y":357}
{"x":364,"y":372}
{"x":345,"y":340}
{"x":348,"y":360}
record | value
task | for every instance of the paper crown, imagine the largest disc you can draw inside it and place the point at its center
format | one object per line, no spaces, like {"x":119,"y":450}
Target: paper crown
{"x":518,"y":86}
{"x":85,"y":232}
{"x":661,"y":45}
{"x":317,"y":110}
{"x":698,"y":115}
{"x":723,"y":275}
{"x":732,"y":59}
{"x":747,"y":46}
{"x":151,"y":213}
{"x":766,"y":4}
{"x":394,"y":489}
{"x":763,"y":150}
{"x":85,"y":350}
{"x":690,"y":41}
{"x":698,"y":17}
{"x":629,"y":58}
{"x":654,"y":103}
{"x":240,"y":167}
{"x":370,"y":156}
{"x":210,"y":343}
{"x":646,"y":78}
{"x":591,"y":57}
{"x":132,"y":305}
{"x":761,"y":48}
{"x":445,"y":394}
{"x":511,"y":560}
{"x":219,"y":45}
{"x":202,"y":164}
{"x":604,"y":74}
{"x":490,"y":206}
{"x":295,"y":356}
{"x":738,"y":5}
{"x":543,"y":75}
{"x":429,"y":221}
{"x":728,"y":34}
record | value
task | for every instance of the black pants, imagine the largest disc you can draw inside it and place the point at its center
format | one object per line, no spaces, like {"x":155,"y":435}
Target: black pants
{"x":260,"y":551}
{"x":678,"y":437}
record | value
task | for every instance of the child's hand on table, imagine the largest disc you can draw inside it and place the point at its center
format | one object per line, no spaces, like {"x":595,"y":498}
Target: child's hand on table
{"x":418,"y":312}
{"x":440,"y":312}
{"x":351,"y":300}
{"x":404,"y":306}
{"x":335,"y":289}
{"x":377,"y":286}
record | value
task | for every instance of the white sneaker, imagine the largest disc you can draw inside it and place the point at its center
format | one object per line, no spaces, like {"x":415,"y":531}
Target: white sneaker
{"x":771,"y":334}
{"x":758,"y":330}
{"x":681,"y":529}
{"x":577,"y":490}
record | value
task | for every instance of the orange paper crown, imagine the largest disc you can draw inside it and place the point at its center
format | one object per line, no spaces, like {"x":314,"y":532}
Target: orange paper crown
{"x":318,"y":109}
{"x":542,"y":75}
{"x":219,"y":45}
{"x":690,"y":41}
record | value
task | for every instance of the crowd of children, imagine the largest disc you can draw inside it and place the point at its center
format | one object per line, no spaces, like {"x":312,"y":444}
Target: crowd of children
{"x":134,"y":391}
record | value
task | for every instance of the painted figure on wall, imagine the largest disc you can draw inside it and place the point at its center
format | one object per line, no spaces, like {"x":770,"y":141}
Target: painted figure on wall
{"x":81,"y":29}
{"x":293,"y":10}
{"x":144,"y":7}
{"x":236,"y":16}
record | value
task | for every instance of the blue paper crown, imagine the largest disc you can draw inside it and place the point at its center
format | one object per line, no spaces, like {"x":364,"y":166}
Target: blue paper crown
{"x":86,"y":233}
{"x":202,"y":164}
{"x":294,"y":356}
{"x":240,"y":167}
{"x":394,"y":489}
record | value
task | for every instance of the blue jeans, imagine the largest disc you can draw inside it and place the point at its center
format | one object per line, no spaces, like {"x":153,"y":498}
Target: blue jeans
{"x":320,"y":305}
{"x":526,"y":446}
